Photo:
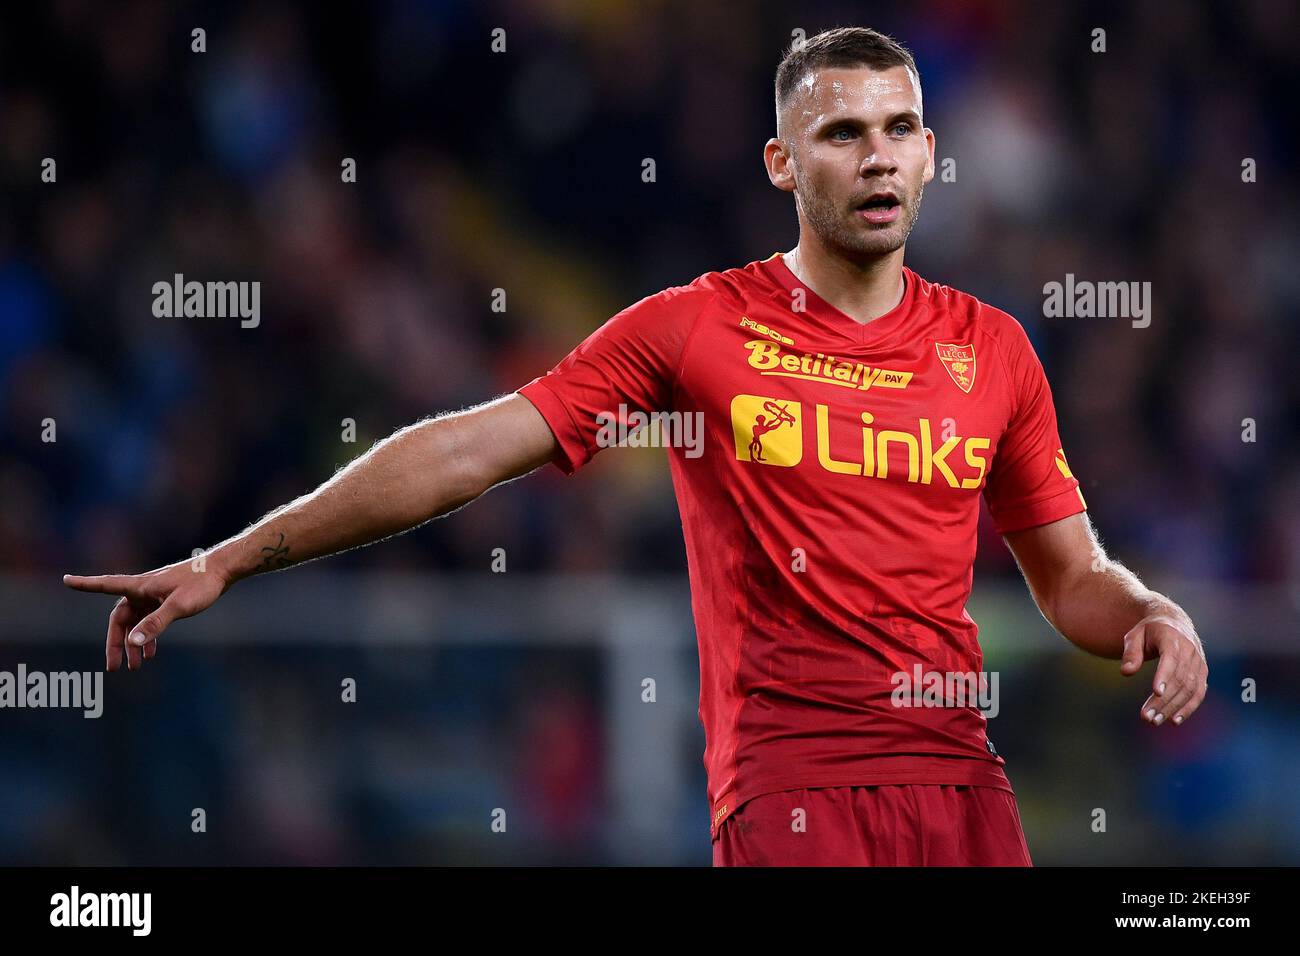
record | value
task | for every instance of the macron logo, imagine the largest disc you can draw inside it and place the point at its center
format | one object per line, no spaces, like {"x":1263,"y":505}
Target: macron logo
{"x":102,"y":909}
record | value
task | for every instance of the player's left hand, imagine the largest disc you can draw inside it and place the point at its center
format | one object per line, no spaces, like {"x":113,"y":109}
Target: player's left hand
{"x":1181,"y":676}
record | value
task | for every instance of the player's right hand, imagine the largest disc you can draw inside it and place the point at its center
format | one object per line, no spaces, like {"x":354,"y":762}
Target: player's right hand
{"x":149,"y":603}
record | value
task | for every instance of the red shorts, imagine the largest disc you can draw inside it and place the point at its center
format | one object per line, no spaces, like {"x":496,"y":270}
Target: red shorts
{"x":894,"y":825}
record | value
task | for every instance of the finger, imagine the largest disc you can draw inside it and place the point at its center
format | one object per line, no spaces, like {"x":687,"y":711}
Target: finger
{"x":1179,"y":692}
{"x":1150,"y":708}
{"x":1195,"y":683}
{"x":1134,"y":651}
{"x":119,"y":619}
{"x":149,"y":650}
{"x":154,"y":624}
{"x":127,"y":584}
{"x":1191,"y":706}
{"x":1166,"y":671}
{"x":132,"y":657}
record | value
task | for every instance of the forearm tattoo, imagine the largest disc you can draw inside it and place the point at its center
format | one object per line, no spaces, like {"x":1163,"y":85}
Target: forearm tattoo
{"x":277,"y":556}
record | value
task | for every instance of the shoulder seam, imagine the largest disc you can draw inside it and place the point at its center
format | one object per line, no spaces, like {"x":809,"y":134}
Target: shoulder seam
{"x":690,"y":339}
{"x":1002,"y":359}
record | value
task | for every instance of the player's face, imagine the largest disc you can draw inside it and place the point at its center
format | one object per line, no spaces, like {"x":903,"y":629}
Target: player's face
{"x":851,"y":147}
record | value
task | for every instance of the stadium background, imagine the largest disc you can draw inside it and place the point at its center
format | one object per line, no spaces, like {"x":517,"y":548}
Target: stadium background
{"x":522,"y":171}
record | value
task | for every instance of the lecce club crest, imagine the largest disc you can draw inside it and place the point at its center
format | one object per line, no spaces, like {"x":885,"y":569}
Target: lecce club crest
{"x":959,"y":360}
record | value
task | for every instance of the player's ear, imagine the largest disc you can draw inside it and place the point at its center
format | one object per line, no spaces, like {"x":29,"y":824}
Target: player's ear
{"x":777,"y":160}
{"x":929,"y":161}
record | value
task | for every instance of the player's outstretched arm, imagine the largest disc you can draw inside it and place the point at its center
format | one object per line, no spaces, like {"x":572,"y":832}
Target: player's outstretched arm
{"x":416,"y":474}
{"x":1101,"y":606}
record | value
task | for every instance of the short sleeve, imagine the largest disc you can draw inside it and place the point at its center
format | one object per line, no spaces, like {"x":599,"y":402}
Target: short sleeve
{"x":1030,"y":482}
{"x":629,"y":364}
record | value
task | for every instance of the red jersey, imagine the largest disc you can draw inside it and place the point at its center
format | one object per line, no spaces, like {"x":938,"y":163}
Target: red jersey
{"x":830,"y":513}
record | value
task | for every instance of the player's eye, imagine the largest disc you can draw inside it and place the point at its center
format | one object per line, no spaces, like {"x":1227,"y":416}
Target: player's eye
{"x":902,"y":129}
{"x":848,"y":134}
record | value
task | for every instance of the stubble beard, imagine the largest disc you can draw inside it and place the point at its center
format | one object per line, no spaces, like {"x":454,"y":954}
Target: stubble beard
{"x":842,"y":233}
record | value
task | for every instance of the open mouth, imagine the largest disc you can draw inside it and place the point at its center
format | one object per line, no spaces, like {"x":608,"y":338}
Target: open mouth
{"x":879,"y":208}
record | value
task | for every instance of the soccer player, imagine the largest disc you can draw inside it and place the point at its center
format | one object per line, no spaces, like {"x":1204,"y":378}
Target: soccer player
{"x":830,"y":549}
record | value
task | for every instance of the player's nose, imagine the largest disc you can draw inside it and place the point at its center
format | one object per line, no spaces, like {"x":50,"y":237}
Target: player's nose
{"x":879,"y":158}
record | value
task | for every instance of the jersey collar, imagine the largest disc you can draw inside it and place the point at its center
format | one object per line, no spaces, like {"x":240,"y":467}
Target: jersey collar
{"x":861,"y":333}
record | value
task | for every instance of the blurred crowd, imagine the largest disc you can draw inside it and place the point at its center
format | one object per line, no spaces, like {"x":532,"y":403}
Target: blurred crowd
{"x":520,"y":170}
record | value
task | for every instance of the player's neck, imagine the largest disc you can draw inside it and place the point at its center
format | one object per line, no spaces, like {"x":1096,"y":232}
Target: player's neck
{"x":861,"y":290}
